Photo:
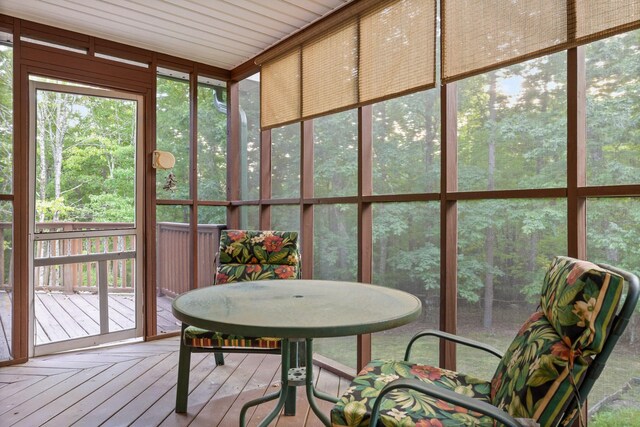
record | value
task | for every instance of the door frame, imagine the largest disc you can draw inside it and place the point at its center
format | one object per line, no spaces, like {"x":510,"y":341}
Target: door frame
{"x":137,"y":230}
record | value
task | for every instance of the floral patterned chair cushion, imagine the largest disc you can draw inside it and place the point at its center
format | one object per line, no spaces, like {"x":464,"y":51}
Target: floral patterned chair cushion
{"x":535,"y":378}
{"x":580,"y":299}
{"x":247,"y":255}
{"x":228,"y":273}
{"x":408,"y":408}
{"x":259,"y":247}
{"x":547,"y":360}
{"x":196,"y":337}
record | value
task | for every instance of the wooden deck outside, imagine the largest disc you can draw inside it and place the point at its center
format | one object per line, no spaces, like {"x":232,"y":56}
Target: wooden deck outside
{"x":61,"y":316}
{"x":135,"y":385}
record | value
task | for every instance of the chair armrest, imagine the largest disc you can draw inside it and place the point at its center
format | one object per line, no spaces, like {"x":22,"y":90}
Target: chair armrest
{"x":443,"y":394}
{"x":455,"y":338}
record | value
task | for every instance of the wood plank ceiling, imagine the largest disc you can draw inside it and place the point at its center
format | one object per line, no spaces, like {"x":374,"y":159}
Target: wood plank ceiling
{"x":222,"y":33}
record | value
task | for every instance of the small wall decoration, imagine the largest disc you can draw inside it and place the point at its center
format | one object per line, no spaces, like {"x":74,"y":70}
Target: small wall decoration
{"x":165,"y":160}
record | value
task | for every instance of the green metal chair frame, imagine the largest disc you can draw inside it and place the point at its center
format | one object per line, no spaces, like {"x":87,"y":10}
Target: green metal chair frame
{"x":596,"y":367}
{"x":296,"y":350}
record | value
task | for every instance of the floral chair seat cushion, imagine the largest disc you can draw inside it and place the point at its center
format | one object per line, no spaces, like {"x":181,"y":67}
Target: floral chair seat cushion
{"x":229,"y":273}
{"x":408,"y":408}
{"x":196,"y":337}
{"x":259,"y":247}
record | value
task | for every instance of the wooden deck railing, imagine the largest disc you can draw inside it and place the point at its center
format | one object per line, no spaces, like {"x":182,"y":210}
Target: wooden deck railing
{"x":172,"y":249}
{"x":172,"y":255}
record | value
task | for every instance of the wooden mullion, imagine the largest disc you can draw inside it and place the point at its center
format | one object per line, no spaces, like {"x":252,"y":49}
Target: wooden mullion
{"x":193,"y":175}
{"x":84,"y":77}
{"x":50,"y":34}
{"x":150,"y":261}
{"x":365,"y":218}
{"x":280,"y":202}
{"x":181,"y":202}
{"x":448,"y":224}
{"x":233,"y":153}
{"x":20,"y":326}
{"x":508,"y":194}
{"x":576,"y":153}
{"x":265,"y":178}
{"x":6,"y":23}
{"x":609,"y":191}
{"x":213,"y":203}
{"x":396,"y":198}
{"x":306,"y":190}
{"x":109,"y":47}
{"x":52,"y":58}
{"x":576,"y":161}
{"x":331,"y":200}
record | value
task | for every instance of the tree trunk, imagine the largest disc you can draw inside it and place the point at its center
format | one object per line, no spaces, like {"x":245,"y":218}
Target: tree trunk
{"x":382,"y":264}
{"x":63,"y":108}
{"x":42,"y":176}
{"x":490,"y":241}
{"x":429,"y":137}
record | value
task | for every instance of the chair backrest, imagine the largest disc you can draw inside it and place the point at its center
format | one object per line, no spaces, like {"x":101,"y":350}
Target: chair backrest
{"x":551,"y":365}
{"x":257,"y":255}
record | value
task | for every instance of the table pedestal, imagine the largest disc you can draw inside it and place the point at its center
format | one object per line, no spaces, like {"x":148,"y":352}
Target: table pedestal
{"x":292,"y":378}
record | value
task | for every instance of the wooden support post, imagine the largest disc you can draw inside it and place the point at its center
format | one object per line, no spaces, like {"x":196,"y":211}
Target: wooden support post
{"x":448,"y":225}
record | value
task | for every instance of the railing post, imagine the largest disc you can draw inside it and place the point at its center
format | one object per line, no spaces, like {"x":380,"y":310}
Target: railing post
{"x":68,"y":270}
{"x":103,"y":297}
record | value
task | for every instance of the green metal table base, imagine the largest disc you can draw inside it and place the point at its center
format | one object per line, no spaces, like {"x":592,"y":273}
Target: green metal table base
{"x":289,"y":382}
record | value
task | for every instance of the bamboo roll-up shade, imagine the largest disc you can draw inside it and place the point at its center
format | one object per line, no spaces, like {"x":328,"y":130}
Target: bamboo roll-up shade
{"x":397,"y":49}
{"x":280,"y":84}
{"x":481,"y":35}
{"x":601,"y":18}
{"x":330,"y":71}
{"x":383,"y":50}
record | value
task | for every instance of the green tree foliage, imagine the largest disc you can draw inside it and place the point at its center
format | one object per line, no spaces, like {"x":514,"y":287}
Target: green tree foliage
{"x":85,"y":158}
{"x":212,"y":143}
{"x":6,"y":119}
{"x":172,"y":134}
{"x":6,"y":158}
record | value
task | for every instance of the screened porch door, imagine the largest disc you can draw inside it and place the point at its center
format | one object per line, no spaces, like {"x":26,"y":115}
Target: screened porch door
{"x":85,"y":216}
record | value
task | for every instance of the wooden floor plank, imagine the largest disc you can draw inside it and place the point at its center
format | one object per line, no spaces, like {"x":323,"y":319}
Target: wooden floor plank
{"x":215,"y":410}
{"x":89,"y":324}
{"x":58,"y":309}
{"x":302,"y":407}
{"x":166,"y":321}
{"x":329,"y":384}
{"x":6,"y":315}
{"x":265,"y":380}
{"x":34,"y":369}
{"x":126,"y":317}
{"x":45,"y":391}
{"x":74,"y":360}
{"x":12,"y":378}
{"x":18,"y":406}
{"x":122,"y":398}
{"x":69,"y":398}
{"x":204,"y":382}
{"x":143,"y":401}
{"x":16,"y":387}
{"x":51,"y":327}
{"x":113,"y":395}
{"x":117,"y":322}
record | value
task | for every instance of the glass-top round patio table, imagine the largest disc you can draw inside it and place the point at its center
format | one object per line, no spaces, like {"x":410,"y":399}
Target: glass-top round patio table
{"x":296,"y":310}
